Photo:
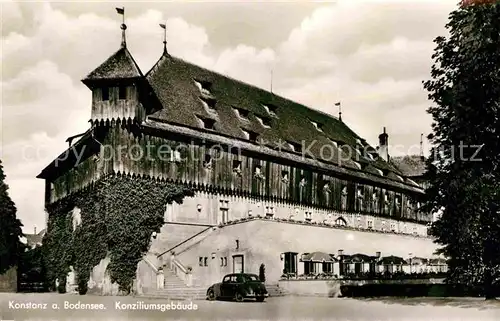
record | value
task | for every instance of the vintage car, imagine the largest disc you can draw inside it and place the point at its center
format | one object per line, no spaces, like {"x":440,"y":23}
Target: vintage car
{"x":238,"y":286}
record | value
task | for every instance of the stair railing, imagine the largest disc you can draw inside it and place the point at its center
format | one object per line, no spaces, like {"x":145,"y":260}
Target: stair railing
{"x":180,"y":270}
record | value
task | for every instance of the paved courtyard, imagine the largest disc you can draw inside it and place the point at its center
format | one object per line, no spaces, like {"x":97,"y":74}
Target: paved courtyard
{"x":60,"y":307}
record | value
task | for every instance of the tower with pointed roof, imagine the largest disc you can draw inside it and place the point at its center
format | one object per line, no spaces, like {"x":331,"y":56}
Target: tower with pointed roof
{"x":117,"y":85}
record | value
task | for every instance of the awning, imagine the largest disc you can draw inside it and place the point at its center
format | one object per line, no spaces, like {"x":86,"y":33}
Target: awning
{"x":437,"y":261}
{"x":360,"y":258}
{"x":418,"y":260}
{"x":317,"y":257}
{"x":391,"y":260}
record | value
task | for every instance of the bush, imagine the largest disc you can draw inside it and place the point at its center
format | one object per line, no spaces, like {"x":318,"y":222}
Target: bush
{"x":262,"y":273}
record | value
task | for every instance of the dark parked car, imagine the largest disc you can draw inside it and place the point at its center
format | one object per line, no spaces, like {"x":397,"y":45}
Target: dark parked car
{"x":238,"y":286}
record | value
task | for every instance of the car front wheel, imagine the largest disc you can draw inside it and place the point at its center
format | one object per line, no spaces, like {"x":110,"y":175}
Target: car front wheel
{"x":238,"y":297}
{"x":211,"y":295}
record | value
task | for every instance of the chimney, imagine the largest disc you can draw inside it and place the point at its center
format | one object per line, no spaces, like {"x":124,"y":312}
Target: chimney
{"x":34,"y":230}
{"x":377,"y":254}
{"x":383,"y":149}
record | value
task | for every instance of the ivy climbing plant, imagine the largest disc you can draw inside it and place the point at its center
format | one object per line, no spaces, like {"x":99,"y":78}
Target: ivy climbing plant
{"x":118,"y":216}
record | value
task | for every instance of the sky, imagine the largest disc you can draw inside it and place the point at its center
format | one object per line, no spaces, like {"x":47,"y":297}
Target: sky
{"x":370,"y":55}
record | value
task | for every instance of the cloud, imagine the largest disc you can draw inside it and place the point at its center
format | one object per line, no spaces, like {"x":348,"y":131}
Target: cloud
{"x":371,"y":55}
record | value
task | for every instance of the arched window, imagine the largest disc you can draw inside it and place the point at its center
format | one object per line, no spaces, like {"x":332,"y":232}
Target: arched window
{"x":340,"y":221}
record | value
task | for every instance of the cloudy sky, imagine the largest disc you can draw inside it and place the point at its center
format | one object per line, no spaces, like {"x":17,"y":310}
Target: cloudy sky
{"x":371,"y":55}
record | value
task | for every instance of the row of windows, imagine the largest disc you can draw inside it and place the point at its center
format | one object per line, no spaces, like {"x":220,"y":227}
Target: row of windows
{"x":270,"y":211}
{"x":203,"y":261}
{"x":209,"y":102}
{"x":122,"y":92}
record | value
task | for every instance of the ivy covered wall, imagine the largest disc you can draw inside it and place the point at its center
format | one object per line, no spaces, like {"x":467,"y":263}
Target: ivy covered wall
{"x":118,"y":216}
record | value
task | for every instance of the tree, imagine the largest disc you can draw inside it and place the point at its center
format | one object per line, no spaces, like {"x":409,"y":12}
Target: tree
{"x":464,"y":169}
{"x":10,"y":229}
{"x":262,"y":273}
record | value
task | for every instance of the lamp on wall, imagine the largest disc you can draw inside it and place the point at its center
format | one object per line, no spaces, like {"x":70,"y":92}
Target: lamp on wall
{"x":213,"y":255}
{"x":249,"y":212}
{"x":198,"y":207}
{"x":282,"y":256}
{"x":237,"y":244}
{"x":154,"y":235}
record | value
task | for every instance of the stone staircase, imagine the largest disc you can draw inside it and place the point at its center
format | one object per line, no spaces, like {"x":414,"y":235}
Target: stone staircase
{"x":175,"y":289}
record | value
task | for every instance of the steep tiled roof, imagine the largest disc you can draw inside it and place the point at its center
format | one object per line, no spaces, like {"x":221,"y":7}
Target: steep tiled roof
{"x":120,"y":65}
{"x":33,"y":239}
{"x":190,"y":94}
{"x":410,"y":166}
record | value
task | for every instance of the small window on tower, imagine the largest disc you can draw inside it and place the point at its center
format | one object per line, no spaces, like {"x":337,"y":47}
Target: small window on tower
{"x":122,"y":92}
{"x":105,"y":93}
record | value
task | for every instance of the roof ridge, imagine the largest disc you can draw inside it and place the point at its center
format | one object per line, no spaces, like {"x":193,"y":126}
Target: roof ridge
{"x":113,"y":64}
{"x":127,"y":52}
{"x":247,"y":84}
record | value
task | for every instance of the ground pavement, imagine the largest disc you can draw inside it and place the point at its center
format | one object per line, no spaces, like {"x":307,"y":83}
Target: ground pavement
{"x":52,"y":306}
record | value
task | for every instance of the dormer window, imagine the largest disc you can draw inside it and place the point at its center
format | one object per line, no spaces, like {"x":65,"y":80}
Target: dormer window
{"x":203,"y":86}
{"x":264,"y":121}
{"x":385,"y":172}
{"x":318,"y":126}
{"x":122,"y":92}
{"x":207,"y":123}
{"x":242,"y":113}
{"x":209,"y":103}
{"x":252,"y":136}
{"x":295,"y":147}
{"x":333,"y":142}
{"x":271,"y":109}
{"x":105,"y":93}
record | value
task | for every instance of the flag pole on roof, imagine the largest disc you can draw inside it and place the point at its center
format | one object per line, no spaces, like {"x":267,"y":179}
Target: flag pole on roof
{"x":121,"y":11}
{"x":340,"y":109}
{"x":164,"y":27}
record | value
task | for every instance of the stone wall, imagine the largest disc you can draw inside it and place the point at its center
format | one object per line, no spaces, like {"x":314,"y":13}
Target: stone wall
{"x":196,"y":213}
{"x":323,"y":288}
{"x":262,"y":241}
{"x":8,"y":280}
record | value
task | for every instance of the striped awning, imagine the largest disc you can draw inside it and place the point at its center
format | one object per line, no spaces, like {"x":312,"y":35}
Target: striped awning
{"x":392,"y":260}
{"x":360,"y":258}
{"x":318,"y":257}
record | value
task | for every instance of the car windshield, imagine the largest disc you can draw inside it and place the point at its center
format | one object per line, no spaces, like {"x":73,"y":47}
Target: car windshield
{"x":251,"y":277}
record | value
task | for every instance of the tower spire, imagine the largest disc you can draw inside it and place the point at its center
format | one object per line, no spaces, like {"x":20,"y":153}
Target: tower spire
{"x":338,"y":104}
{"x":121,"y":11}
{"x":271,"y":80}
{"x":164,"y":27}
{"x":422,"y":146}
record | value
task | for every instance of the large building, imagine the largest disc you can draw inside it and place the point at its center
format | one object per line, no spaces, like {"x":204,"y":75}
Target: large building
{"x":276,"y":183}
